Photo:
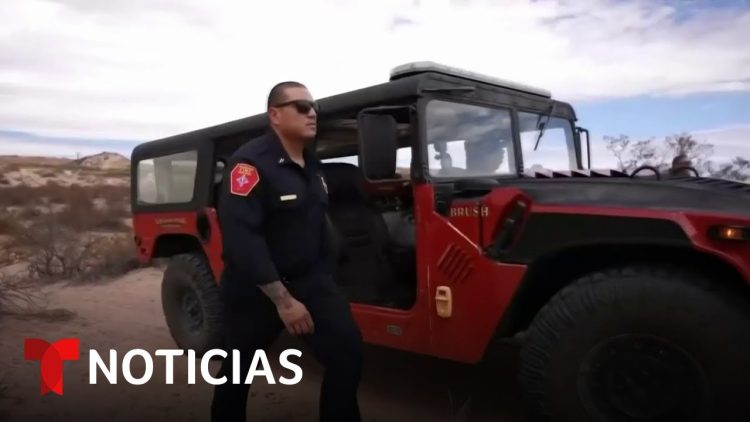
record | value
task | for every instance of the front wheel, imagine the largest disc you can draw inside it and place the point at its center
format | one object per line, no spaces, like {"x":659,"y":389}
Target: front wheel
{"x":640,"y":344}
{"x":192,"y":303}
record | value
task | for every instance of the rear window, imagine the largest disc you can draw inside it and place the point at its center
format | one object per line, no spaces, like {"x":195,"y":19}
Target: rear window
{"x":167,"y":180}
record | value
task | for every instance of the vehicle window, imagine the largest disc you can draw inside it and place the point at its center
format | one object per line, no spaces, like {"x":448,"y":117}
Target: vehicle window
{"x":167,"y":180}
{"x":468,"y":140}
{"x":556,"y":148}
{"x":351,"y":159}
{"x":403,"y":160}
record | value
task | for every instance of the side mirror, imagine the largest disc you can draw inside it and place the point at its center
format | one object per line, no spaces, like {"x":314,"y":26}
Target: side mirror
{"x":378,"y":142}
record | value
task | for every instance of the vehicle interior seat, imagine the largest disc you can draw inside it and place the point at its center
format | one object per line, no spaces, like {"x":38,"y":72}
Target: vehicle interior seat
{"x":363,"y":270}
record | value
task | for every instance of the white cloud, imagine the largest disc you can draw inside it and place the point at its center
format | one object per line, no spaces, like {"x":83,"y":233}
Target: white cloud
{"x":143,"y":69}
{"x":29,"y":145}
{"x":729,"y":142}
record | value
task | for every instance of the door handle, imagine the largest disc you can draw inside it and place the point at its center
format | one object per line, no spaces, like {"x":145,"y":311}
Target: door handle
{"x":444,"y":301}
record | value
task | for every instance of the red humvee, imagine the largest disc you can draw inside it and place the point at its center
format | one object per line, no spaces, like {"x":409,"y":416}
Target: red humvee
{"x":466,"y":214}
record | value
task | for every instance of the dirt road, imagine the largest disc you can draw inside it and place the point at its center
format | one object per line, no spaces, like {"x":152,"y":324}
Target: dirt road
{"x":126,"y":313}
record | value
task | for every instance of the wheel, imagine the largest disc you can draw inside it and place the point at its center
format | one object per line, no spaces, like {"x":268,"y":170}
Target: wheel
{"x":639,"y":344}
{"x":192,"y":304}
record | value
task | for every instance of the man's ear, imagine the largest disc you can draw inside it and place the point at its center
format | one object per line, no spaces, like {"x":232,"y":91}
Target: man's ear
{"x":273,"y":115}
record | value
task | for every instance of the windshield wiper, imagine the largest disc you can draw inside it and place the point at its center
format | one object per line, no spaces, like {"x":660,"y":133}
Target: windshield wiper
{"x":542,"y":126}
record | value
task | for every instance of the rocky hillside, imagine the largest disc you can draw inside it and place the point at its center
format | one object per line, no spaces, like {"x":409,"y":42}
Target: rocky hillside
{"x":104,"y":161}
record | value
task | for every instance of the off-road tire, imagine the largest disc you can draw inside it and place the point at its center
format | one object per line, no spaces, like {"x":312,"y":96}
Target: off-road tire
{"x":595,"y":350}
{"x":192,"y":303}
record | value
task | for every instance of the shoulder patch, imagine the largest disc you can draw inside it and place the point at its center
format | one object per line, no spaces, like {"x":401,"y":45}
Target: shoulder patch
{"x":244,"y":177}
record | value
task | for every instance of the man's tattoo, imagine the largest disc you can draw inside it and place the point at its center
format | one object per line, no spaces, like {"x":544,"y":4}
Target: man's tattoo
{"x":277,"y":293}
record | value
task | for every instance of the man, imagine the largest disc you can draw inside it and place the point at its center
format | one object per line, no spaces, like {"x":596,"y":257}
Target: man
{"x":484,"y":156}
{"x":276,"y":275}
{"x":681,"y":166}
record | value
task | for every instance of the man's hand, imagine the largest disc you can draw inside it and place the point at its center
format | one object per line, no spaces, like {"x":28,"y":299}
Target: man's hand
{"x":292,"y":312}
{"x":296,"y":318}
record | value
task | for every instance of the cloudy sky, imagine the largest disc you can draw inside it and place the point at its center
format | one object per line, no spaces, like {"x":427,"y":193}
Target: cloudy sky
{"x":80,"y":76}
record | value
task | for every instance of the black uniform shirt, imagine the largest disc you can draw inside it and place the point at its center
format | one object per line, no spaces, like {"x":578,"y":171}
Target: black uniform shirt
{"x":272,"y":214}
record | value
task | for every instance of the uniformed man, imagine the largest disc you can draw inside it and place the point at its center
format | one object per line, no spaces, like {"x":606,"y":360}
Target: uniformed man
{"x":276,"y":275}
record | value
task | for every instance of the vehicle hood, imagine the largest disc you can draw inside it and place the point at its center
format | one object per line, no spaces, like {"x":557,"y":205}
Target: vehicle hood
{"x":614,"y":189}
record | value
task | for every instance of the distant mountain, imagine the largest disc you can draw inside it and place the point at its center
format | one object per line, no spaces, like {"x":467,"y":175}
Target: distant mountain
{"x":104,"y":161}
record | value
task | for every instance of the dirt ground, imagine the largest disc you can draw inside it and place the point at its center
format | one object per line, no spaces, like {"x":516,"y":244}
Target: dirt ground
{"x":126,"y":313}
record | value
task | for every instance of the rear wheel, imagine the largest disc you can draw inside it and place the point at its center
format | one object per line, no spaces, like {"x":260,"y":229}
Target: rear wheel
{"x":192,"y":303}
{"x":639,"y":344}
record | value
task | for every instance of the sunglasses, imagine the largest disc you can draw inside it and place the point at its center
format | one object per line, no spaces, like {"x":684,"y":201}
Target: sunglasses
{"x":302,"y":106}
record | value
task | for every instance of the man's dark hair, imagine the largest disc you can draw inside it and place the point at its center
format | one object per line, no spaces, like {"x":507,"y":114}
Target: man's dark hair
{"x":277,"y":92}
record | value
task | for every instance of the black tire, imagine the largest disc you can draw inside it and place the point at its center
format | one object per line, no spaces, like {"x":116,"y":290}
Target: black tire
{"x":192,"y":303}
{"x":640,"y":344}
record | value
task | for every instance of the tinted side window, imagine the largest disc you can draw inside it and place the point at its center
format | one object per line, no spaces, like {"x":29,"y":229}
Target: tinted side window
{"x":167,"y":180}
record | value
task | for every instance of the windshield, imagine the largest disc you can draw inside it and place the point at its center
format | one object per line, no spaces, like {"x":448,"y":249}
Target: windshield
{"x":555,"y":150}
{"x":468,"y":140}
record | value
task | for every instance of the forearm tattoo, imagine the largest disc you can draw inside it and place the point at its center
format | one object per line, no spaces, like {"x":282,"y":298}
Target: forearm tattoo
{"x":277,"y":293}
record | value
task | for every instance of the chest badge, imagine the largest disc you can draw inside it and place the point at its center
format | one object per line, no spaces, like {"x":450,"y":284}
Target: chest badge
{"x":244,"y":178}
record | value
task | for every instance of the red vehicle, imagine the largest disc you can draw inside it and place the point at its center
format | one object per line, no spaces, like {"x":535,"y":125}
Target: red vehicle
{"x":467,"y":213}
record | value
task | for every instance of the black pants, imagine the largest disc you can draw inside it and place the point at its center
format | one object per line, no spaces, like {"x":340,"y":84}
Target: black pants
{"x":254,"y":323}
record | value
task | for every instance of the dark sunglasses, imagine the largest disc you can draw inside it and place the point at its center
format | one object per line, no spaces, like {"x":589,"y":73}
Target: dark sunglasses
{"x":302,"y":106}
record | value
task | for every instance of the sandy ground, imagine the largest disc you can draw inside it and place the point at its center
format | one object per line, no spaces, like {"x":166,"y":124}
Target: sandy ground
{"x":126,"y":313}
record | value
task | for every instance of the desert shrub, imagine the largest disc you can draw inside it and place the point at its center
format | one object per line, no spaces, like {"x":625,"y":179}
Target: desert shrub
{"x":81,"y":213}
{"x":29,"y":213}
{"x":16,"y":195}
{"x":17,"y":294}
{"x":55,"y":250}
{"x":112,"y":195}
{"x":49,"y":173}
{"x":58,"y":251}
{"x":115,"y":256}
{"x":8,"y":224}
{"x":4,"y":180}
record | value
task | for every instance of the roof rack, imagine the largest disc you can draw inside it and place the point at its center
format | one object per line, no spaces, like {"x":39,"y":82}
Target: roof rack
{"x":428,"y":66}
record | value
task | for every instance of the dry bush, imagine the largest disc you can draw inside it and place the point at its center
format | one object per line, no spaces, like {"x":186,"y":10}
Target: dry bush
{"x":4,"y":180}
{"x":55,"y":250}
{"x":29,"y":213}
{"x":8,"y":224}
{"x":59,"y":251}
{"x":114,"y":256}
{"x":17,"y":294}
{"x":16,"y":195}
{"x":113,"y":195}
{"x":81,"y":214}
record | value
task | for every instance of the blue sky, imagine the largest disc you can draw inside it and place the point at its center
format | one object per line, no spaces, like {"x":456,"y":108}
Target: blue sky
{"x":644,"y":116}
{"x":81,"y":76}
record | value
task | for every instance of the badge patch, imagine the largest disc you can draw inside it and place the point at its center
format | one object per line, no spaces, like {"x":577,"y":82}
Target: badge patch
{"x":244,"y":178}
